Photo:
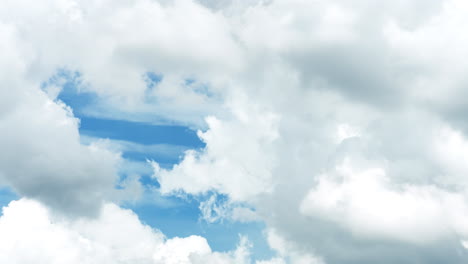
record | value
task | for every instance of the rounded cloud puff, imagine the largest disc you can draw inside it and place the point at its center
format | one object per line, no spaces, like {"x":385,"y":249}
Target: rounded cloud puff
{"x":32,"y":233}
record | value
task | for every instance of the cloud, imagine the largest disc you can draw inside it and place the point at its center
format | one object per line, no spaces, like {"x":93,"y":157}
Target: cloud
{"x":367,"y":204}
{"x":32,"y":233}
{"x":215,"y":209}
{"x":43,"y":157}
{"x":115,"y":44}
{"x":327,"y":81}
{"x":287,"y":251}
{"x":300,"y":87}
{"x":244,"y":164}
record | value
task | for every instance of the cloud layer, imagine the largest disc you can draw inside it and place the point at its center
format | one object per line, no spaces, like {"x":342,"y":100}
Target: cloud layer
{"x":339,"y":124}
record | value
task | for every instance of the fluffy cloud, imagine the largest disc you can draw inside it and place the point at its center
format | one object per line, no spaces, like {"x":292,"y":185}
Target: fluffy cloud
{"x":44,"y":159}
{"x":115,"y":43}
{"x":240,"y":168}
{"x":330,"y":83}
{"x":340,"y":123}
{"x":366,"y":203}
{"x":31,"y":233}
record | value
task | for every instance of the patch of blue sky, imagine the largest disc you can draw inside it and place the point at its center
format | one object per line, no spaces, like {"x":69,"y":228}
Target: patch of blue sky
{"x":199,"y":87}
{"x":142,"y":133}
{"x":141,"y":168}
{"x":70,"y":92}
{"x":165,"y":144}
{"x":162,"y":143}
{"x":185,"y":220}
{"x":69,"y":87}
{"x":139,"y":142}
{"x":6,"y":196}
{"x":189,"y":81}
{"x":152,"y":79}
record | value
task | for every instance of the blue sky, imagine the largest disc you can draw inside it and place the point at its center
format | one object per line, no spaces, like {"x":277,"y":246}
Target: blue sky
{"x":180,"y":216}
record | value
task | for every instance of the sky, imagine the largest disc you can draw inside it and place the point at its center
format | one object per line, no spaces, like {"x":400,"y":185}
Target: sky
{"x":233,"y":131}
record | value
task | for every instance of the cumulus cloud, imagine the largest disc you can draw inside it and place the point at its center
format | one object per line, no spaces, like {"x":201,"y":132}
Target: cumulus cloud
{"x":365,"y":202}
{"x":238,"y":167}
{"x":340,"y":123}
{"x":113,"y":44}
{"x":44,"y":159}
{"x":32,"y":233}
{"x":331,"y":80}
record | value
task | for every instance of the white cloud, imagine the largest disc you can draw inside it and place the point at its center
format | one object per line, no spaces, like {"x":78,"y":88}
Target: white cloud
{"x":120,"y":146}
{"x":238,"y":166}
{"x":366,"y":202}
{"x":243,"y":215}
{"x":286,"y":75}
{"x":339,"y":81}
{"x":214,"y":209}
{"x":345,"y":131}
{"x":31,"y":233}
{"x":113,"y":44}
{"x":288,"y":251}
